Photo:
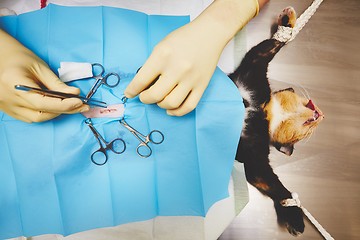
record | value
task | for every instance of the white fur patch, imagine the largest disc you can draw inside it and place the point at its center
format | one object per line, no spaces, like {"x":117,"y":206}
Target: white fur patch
{"x":245,"y":94}
{"x":278,"y":115}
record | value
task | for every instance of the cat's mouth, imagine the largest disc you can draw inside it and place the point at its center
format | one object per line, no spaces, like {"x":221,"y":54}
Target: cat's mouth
{"x":315,"y":117}
{"x":316,"y":114}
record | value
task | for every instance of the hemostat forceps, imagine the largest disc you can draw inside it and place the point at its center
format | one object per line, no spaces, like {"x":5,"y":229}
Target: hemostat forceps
{"x":51,"y":93}
{"x":111,"y":79}
{"x":99,"y":157}
{"x":155,"y":137}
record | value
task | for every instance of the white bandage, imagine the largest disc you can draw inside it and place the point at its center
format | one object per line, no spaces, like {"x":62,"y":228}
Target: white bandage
{"x":70,"y":71}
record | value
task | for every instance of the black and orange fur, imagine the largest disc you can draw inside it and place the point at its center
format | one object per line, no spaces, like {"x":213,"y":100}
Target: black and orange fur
{"x":279,"y":119}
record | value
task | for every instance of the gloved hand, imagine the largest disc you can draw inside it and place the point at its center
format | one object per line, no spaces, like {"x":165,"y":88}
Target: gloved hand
{"x":18,"y":65}
{"x":181,"y":65}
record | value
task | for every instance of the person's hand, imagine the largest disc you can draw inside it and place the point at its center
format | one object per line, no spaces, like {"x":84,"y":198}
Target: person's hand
{"x":180,"y":67}
{"x":18,"y":65}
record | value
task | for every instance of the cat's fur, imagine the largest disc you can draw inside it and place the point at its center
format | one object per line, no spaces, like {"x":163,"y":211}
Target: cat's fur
{"x":279,"y":119}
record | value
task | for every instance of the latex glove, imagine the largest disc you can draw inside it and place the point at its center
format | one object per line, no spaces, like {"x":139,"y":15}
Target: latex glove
{"x":18,"y":65}
{"x":262,"y":3}
{"x":182,"y":64}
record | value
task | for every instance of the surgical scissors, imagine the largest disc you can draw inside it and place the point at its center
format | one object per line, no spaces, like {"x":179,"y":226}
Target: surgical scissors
{"x":51,"y":93}
{"x":144,"y":140}
{"x":100,"y":157}
{"x":111,"y":79}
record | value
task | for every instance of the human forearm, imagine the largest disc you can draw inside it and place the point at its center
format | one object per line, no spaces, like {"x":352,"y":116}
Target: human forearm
{"x":224,"y":18}
{"x":181,"y":65}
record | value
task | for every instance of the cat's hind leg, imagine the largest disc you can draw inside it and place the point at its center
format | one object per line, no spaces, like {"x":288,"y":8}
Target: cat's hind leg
{"x":261,"y":175}
{"x":291,"y":218}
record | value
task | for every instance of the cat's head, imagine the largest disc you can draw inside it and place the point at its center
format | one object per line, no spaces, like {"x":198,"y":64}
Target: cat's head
{"x":291,"y":118}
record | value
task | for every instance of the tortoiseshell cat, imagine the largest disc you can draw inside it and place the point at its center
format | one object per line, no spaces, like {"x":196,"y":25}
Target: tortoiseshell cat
{"x":279,"y":119}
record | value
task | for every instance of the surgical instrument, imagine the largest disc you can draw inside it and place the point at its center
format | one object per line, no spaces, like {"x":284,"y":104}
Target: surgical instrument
{"x":111,"y":79}
{"x":155,"y":137}
{"x":100,"y":157}
{"x":62,"y":95}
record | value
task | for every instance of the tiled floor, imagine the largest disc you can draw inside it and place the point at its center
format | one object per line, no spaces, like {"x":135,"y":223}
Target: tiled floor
{"x":324,"y":59}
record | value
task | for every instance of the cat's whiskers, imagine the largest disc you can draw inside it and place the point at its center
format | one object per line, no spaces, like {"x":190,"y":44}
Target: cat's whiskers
{"x":303,"y":90}
{"x":307,"y":137}
{"x":309,"y":134}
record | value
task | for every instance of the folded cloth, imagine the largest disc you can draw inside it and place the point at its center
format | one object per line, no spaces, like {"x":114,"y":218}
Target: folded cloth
{"x":48,"y":182}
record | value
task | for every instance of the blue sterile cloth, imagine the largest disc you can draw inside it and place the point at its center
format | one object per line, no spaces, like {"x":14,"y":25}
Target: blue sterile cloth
{"x":48,"y":183}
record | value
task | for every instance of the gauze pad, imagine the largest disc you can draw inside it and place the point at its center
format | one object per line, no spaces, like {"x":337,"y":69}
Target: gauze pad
{"x":70,"y":71}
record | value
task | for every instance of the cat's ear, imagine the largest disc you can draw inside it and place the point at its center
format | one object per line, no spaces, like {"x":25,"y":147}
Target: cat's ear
{"x":286,"y":89}
{"x":287,"y":149}
{"x":289,"y":89}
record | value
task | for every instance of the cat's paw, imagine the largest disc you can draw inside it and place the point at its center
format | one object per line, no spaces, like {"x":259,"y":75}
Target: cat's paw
{"x":291,"y":218}
{"x":287,"y":17}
